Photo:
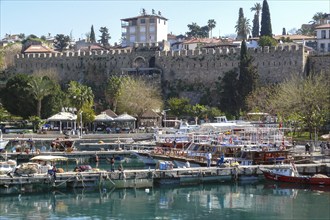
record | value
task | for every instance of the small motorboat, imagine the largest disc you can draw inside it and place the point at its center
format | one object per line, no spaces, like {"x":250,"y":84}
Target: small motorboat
{"x":290,"y":174}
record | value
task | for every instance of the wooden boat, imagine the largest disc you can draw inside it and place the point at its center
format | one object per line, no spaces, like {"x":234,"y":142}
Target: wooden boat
{"x":290,"y":174}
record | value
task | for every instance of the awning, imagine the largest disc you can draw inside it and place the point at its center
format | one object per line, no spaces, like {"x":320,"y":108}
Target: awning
{"x":49,"y":158}
{"x":63,"y":116}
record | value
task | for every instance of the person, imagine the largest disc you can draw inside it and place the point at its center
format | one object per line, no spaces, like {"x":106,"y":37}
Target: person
{"x":208,"y":158}
{"x":307,"y":148}
{"x":54,"y":170}
{"x":120,"y":167}
{"x":112,"y":164}
{"x":221,"y":160}
{"x":187,"y":165}
{"x":174,"y":144}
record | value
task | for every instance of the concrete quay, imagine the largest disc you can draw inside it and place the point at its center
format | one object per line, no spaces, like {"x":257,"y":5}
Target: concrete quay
{"x":145,"y":178}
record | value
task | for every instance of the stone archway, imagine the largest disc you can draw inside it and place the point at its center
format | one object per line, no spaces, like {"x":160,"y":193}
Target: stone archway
{"x":139,"y":62}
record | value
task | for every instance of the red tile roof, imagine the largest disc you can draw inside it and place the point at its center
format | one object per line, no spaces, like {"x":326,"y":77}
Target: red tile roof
{"x":38,"y":49}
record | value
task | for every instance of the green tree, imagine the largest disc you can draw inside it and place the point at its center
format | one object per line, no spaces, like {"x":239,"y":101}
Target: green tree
{"x":105,"y":36}
{"x":80,"y":95}
{"x":242,"y":27}
{"x":16,"y":98}
{"x":198,"y":111}
{"x":196,"y":31}
{"x":266,"y":26}
{"x":178,"y":106}
{"x":211,"y":23}
{"x":248,"y":77}
{"x":113,"y":91}
{"x":267,"y":41}
{"x":37,"y":122}
{"x":256,"y":18}
{"x":39,"y":88}
{"x":306,"y":99}
{"x":92,"y":35}
{"x":228,"y":92}
{"x":61,"y":42}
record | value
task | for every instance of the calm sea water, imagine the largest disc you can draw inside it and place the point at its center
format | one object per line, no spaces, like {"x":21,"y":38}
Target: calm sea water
{"x":260,"y":200}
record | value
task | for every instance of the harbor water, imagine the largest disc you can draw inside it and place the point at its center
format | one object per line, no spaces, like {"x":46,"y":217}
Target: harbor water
{"x":250,"y":200}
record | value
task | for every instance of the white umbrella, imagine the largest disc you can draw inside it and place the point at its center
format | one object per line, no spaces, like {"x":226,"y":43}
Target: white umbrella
{"x":103,"y":117}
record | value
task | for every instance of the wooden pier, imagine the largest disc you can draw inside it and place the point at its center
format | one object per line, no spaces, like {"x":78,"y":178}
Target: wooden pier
{"x":147,"y":178}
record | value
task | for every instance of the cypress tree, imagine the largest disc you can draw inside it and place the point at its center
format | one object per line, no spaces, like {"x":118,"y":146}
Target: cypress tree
{"x":255,"y":28}
{"x":239,"y":26}
{"x":248,"y":76}
{"x":266,"y":26}
{"x":283,"y":31}
{"x":92,"y":36}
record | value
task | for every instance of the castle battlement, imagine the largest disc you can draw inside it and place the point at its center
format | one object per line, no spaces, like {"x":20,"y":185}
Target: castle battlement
{"x":74,"y":54}
{"x":182,"y":53}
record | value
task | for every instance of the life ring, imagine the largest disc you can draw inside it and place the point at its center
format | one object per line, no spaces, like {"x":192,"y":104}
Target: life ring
{"x":264,"y":149}
{"x":167,"y":140}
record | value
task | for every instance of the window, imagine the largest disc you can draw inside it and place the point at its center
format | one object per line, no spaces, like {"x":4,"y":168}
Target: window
{"x":152,"y":20}
{"x":322,"y":47}
{"x":152,"y":29}
{"x":328,"y":47}
{"x":143,"y":29}
{"x":134,"y":23}
{"x":132,"y":29}
{"x":143,"y":21}
{"x":323,"y":34}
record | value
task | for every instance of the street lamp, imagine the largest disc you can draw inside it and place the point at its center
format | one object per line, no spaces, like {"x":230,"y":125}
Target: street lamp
{"x":81,"y":124}
{"x":165,"y":116}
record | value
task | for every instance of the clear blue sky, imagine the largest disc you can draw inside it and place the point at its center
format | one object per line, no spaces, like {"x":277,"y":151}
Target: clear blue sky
{"x":41,"y":17}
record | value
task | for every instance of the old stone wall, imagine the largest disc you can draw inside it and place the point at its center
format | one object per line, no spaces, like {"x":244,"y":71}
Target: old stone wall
{"x":319,"y":64}
{"x":194,"y":71}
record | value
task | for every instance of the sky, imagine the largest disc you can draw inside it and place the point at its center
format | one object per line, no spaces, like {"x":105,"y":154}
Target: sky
{"x":75,"y":17}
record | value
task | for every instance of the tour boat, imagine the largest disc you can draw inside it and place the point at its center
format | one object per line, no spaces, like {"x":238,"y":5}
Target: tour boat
{"x":290,"y":174}
{"x":3,"y":142}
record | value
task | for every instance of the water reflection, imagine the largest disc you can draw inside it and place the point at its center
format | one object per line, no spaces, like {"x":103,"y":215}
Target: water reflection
{"x":234,"y":201}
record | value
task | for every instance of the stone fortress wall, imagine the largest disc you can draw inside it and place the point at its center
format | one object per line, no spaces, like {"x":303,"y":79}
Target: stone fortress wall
{"x":189,"y":66}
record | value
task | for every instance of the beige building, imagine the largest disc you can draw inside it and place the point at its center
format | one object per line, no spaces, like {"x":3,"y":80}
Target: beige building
{"x":323,"y":38}
{"x":145,"y":28}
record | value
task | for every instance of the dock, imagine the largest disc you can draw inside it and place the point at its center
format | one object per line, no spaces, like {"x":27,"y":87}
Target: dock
{"x":146,"y":178}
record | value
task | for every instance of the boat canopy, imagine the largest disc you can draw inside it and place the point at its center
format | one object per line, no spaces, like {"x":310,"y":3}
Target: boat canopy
{"x":49,"y":158}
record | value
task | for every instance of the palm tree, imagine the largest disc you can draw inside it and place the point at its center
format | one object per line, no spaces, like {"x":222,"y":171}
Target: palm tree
{"x":211,"y":24}
{"x":319,"y":18}
{"x":255,"y":29}
{"x":243,"y":28}
{"x":80,"y":95}
{"x":257,"y":8}
{"x":40,"y":87}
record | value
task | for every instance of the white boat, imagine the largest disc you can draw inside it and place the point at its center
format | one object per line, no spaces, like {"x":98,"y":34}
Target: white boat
{"x":3,"y":142}
{"x":7,"y":166}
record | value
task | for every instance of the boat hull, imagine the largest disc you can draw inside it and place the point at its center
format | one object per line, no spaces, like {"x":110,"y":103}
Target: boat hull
{"x":296,"y":179}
